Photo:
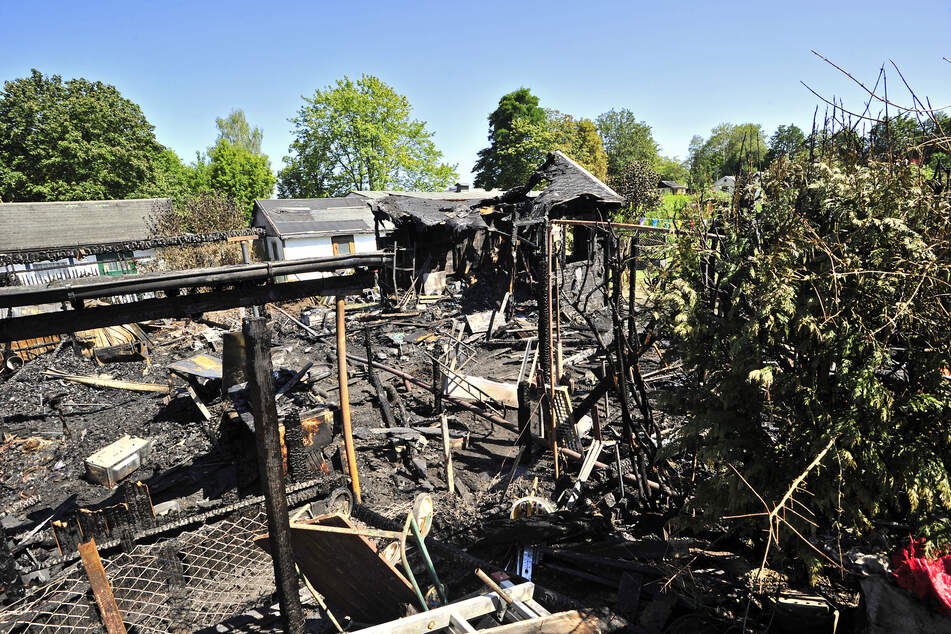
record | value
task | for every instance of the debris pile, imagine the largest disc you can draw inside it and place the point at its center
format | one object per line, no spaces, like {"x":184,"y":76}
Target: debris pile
{"x":481,"y":443}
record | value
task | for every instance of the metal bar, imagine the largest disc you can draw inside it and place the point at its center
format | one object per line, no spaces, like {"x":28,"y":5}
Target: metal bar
{"x":260,"y":375}
{"x":343,"y":382}
{"x":406,"y":567}
{"x":427,"y":559}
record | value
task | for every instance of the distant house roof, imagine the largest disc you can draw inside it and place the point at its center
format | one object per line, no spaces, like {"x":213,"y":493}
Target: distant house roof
{"x":725,"y":181}
{"x":36,"y":226}
{"x":298,"y":217}
{"x":672,"y":185}
{"x":466,"y":194}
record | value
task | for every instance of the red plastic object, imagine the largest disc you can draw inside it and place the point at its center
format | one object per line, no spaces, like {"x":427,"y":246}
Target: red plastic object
{"x":929,"y":579}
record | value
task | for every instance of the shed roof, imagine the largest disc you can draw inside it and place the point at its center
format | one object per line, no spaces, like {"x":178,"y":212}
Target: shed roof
{"x":673,"y":185}
{"x":568,"y":183}
{"x":313,"y":216}
{"x":465,"y":195}
{"x":35,"y":226}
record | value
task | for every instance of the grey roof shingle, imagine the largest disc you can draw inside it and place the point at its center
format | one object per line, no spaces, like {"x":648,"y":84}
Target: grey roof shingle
{"x":49,"y":225}
{"x":313,"y":216}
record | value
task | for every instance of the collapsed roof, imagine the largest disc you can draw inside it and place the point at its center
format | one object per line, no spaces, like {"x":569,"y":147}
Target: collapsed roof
{"x":570,"y":189}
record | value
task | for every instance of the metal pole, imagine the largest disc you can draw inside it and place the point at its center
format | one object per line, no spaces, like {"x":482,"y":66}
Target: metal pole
{"x":343,"y":379}
{"x":271,"y":465}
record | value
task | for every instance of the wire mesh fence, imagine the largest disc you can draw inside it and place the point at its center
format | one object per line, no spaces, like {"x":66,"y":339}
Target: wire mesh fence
{"x":196,"y":580}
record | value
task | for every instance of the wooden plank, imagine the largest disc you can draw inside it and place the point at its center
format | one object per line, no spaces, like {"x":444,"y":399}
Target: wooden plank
{"x":99,"y":583}
{"x":447,"y":454}
{"x":438,"y":618}
{"x":15,"y":328}
{"x":354,"y":579}
{"x":558,"y":623}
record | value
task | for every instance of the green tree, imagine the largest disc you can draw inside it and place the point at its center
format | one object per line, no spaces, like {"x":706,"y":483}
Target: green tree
{"x":359,"y":136}
{"x":637,"y":183}
{"x":235,"y":129}
{"x":78,"y":140}
{"x":579,"y":139}
{"x":625,"y":139}
{"x":172,"y":178}
{"x":670,"y":169}
{"x":238,"y":174}
{"x":515,"y":124}
{"x":818,"y":321}
{"x":786,"y":141}
{"x":895,"y":137}
{"x":729,"y":150}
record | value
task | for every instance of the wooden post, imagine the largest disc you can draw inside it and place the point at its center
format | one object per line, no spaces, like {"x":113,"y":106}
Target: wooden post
{"x":343,"y":380}
{"x":260,"y":376}
{"x":447,"y":454}
{"x":545,"y":344}
{"x":99,"y":583}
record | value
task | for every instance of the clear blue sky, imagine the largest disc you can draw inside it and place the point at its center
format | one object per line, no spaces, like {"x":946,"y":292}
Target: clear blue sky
{"x":681,"y":67}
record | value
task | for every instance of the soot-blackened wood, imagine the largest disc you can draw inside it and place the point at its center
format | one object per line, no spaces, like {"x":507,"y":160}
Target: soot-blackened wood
{"x":257,"y":339}
{"x":298,"y":464}
{"x":45,"y":324}
{"x":385,"y":410}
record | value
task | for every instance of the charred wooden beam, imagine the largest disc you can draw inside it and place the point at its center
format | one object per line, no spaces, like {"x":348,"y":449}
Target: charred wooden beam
{"x":217,"y":277}
{"x":257,"y":338}
{"x":43,"y":324}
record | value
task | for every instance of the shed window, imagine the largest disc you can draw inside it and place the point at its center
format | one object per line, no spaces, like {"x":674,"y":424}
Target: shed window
{"x":343,"y":245}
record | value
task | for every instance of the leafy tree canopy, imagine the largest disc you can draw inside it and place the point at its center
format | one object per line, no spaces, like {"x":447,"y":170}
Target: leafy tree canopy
{"x":235,"y":172}
{"x":786,"y":141}
{"x":74,"y":140}
{"x":729,"y":150}
{"x":579,"y":139}
{"x":637,"y":183}
{"x":671,"y":169}
{"x":625,"y":139}
{"x":513,"y":127}
{"x":235,"y":129}
{"x":359,"y":136}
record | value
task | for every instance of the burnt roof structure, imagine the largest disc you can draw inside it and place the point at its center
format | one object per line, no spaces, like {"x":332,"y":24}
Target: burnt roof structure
{"x":53,"y":225}
{"x":571,"y":190}
{"x":303,"y":217}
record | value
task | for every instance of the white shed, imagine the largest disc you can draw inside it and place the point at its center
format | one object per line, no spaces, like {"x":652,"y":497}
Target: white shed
{"x":300,"y":228}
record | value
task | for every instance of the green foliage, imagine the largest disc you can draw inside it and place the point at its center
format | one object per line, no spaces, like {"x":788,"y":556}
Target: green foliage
{"x":637,"y":183}
{"x":820,"y":315}
{"x":670,"y":169}
{"x":204,"y":212}
{"x":173,"y":179}
{"x":235,"y":129}
{"x":359,"y":136}
{"x":625,"y":139}
{"x":786,"y":141}
{"x":577,"y":138}
{"x":514,"y":131}
{"x":729,"y":150}
{"x":238,"y":174}
{"x":78,"y":140}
